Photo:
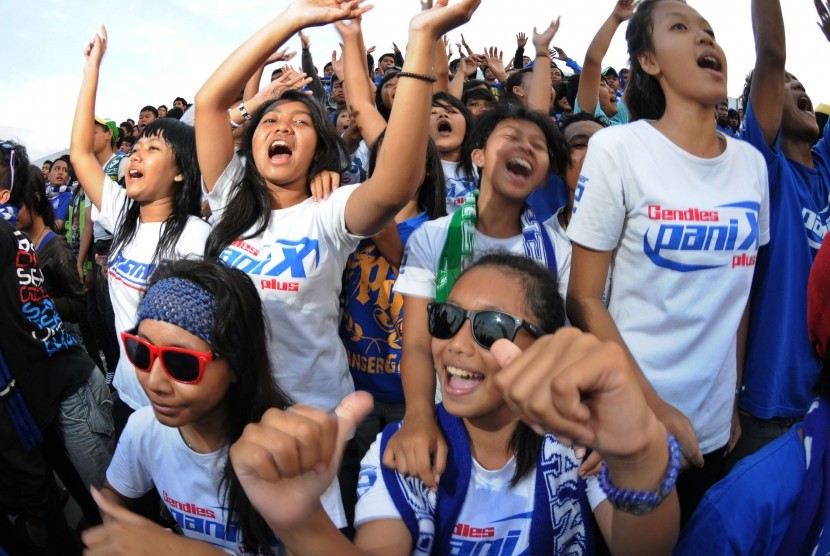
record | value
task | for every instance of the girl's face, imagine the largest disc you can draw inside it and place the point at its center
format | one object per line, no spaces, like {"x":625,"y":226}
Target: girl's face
{"x":608,"y":100}
{"x":285,"y":143}
{"x":564,"y":105}
{"x":151,"y":172}
{"x":515,"y":160}
{"x":447,"y":127}
{"x":466,"y":369}
{"x":687,"y":60}
{"x":343,"y":122}
{"x":387,"y":93}
{"x":555,"y":76}
{"x":24,"y":219}
{"x":174,"y":403}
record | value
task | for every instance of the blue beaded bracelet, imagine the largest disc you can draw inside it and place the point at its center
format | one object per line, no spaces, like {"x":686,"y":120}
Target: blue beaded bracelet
{"x":638,"y":502}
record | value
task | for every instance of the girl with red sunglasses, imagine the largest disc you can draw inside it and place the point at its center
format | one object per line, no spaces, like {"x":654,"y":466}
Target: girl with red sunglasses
{"x":200,"y":352}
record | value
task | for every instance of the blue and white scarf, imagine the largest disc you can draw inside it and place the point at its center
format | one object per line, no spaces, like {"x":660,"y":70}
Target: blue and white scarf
{"x":431,"y":517}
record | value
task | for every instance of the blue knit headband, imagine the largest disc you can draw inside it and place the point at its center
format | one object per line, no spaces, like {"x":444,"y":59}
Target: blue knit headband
{"x":180,"y":303}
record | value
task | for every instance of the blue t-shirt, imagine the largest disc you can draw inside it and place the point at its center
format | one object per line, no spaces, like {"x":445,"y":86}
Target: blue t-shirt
{"x":549,"y":198}
{"x":372,"y":318}
{"x":781,"y":365}
{"x":749,"y":511}
{"x":621,"y":117}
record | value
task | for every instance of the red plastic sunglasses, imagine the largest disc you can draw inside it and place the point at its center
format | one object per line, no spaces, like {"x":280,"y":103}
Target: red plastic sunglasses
{"x":180,"y":364}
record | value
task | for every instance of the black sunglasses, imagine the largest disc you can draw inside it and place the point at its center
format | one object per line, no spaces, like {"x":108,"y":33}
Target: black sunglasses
{"x":445,"y":320}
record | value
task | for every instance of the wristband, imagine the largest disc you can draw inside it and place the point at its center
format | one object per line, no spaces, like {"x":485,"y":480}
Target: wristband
{"x":640,"y":502}
{"x":419,"y":76}
{"x":242,"y":111}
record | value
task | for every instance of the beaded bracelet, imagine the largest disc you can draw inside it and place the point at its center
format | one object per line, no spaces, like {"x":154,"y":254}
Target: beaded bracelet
{"x":419,"y":76}
{"x":242,"y":111}
{"x":233,"y":123}
{"x":639,"y":502}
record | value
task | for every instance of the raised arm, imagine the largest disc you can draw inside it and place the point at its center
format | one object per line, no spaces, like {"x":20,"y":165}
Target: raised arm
{"x":81,"y":151}
{"x":315,"y":85}
{"x":441,"y":64}
{"x":767,"y":91}
{"x":214,"y":140}
{"x":588,"y":93}
{"x":540,"y":94}
{"x":402,"y":159}
{"x":357,"y":84}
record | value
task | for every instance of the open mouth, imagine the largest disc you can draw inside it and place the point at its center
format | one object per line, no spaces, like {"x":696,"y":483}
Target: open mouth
{"x":461,"y":381}
{"x":135,"y":175}
{"x":710,"y":62}
{"x":519,"y":166}
{"x":279,"y":150}
{"x":804,"y":103}
{"x":444,"y":128}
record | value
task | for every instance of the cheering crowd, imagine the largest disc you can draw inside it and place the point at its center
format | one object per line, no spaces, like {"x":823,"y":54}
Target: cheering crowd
{"x":438,"y":305}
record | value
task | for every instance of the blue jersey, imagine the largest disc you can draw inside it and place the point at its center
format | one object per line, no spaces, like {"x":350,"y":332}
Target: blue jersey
{"x":372,"y":318}
{"x":781,"y":365}
{"x":748,"y":512}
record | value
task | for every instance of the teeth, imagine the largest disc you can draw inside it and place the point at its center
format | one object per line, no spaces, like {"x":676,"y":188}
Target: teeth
{"x":521,"y":162}
{"x":279,"y":143}
{"x":455,"y":371}
{"x":134,"y":173}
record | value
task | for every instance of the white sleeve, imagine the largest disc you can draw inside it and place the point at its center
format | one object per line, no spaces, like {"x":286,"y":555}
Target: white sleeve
{"x":594,"y":492}
{"x":113,"y":200}
{"x":332,"y":215}
{"x":763,"y":218}
{"x":220,"y":195}
{"x":126,"y":472}
{"x":122,"y":167}
{"x":599,"y":202}
{"x":420,"y":261}
{"x":333,"y":504}
{"x":374,"y":501}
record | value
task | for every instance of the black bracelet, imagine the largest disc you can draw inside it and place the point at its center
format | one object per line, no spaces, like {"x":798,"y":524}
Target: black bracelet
{"x":419,"y":76}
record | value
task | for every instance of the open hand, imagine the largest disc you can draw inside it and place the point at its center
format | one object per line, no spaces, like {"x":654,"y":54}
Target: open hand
{"x":558,"y":54}
{"x":282,"y":55}
{"x":542,"y":40}
{"x":624,"y":9}
{"x":304,"y":40}
{"x":96,"y":48}
{"x":313,"y":13}
{"x":521,"y":40}
{"x":824,"y":17}
{"x":441,"y":18}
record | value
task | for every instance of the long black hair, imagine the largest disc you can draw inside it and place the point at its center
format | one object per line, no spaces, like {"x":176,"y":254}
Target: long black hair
{"x":643,"y":96}
{"x":240,"y":335}
{"x":540,"y":298}
{"x":33,"y":197}
{"x":447,"y":101}
{"x":249,"y":207}
{"x":181,"y":139}
{"x":558,"y":151}
{"x":431,"y":193}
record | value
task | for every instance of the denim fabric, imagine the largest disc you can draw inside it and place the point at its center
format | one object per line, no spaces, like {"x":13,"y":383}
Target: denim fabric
{"x":85,"y":424}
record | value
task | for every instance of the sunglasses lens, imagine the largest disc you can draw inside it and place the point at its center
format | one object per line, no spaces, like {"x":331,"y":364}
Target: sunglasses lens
{"x":183,"y":367}
{"x":138,"y":354}
{"x":490,"y":326}
{"x":444,"y":321}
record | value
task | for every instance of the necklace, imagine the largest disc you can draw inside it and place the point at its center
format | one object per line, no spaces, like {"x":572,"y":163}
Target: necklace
{"x":186,"y":441}
{"x":40,"y":237}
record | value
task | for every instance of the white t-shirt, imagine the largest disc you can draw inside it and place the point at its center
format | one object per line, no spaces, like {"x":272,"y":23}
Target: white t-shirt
{"x":129,"y":271}
{"x":358,"y":170}
{"x":423,"y":252}
{"x":297,"y":265}
{"x":493,"y":511}
{"x":457,"y":185}
{"x":685,"y":232}
{"x":151,"y":454}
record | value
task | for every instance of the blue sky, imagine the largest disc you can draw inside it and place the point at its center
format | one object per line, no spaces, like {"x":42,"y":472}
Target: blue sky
{"x":159,"y":50}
